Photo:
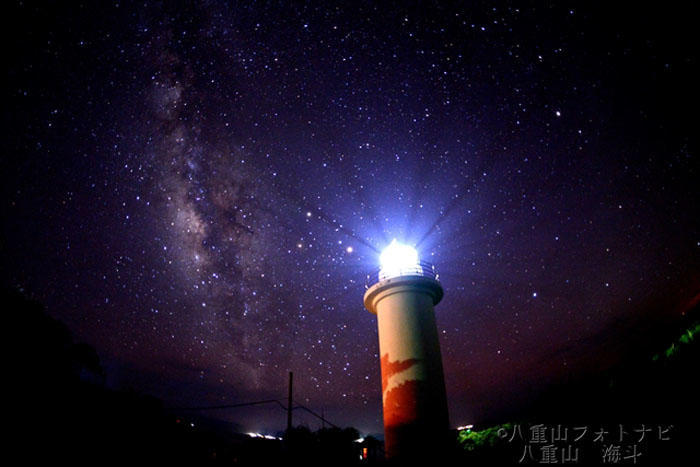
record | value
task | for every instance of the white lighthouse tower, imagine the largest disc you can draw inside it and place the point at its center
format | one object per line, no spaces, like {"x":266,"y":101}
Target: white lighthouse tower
{"x":402,"y":296}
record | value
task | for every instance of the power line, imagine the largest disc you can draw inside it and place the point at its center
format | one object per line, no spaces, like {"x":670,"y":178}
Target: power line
{"x":288,"y":408}
{"x":320,"y":417}
{"x":232,"y":406}
{"x":247,"y":404}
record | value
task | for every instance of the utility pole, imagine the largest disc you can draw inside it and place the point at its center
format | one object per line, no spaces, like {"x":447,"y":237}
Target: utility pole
{"x":289,"y":404}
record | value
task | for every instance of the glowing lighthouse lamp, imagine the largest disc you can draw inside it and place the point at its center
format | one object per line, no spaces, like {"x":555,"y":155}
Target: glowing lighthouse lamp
{"x":398,"y":260}
{"x":402,"y":296}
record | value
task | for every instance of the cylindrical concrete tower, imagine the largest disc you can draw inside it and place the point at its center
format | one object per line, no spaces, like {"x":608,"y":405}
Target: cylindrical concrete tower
{"x":413,"y":386}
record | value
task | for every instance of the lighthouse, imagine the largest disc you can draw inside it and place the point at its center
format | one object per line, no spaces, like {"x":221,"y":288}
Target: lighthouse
{"x":403,"y":296}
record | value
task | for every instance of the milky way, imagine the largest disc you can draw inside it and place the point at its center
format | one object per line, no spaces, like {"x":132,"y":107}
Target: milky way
{"x":200,"y":192}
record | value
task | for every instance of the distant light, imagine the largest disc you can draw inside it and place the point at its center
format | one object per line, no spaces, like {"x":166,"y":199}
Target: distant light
{"x":359,"y":440}
{"x":259,"y":435}
{"x":534,"y":294}
{"x":308,"y":213}
{"x":349,"y":249}
{"x":398,"y":259}
{"x":465,"y":427}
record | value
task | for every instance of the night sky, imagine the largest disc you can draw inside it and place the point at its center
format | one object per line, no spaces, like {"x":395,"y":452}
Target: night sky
{"x":199,"y":190}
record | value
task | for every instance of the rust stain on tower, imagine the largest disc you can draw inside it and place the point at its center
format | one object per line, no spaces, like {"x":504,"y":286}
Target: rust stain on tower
{"x":390,"y":368}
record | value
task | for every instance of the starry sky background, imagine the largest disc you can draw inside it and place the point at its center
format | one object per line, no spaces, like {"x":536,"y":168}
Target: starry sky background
{"x":198,"y":190}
